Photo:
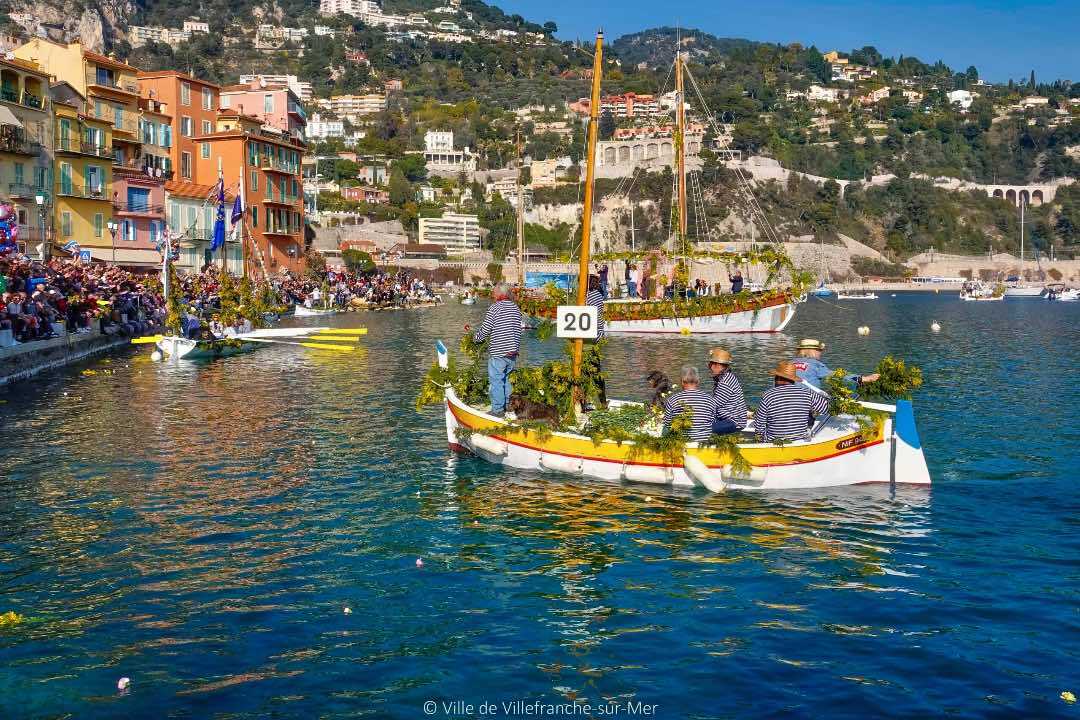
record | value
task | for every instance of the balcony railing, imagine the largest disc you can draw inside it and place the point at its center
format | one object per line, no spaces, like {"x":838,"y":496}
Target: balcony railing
{"x":92,"y":78}
{"x":24,"y":190}
{"x":272,"y":163}
{"x":140,"y":208}
{"x":280,"y":230}
{"x":84,"y":148}
{"x":79,"y":191}
{"x":19,"y":145}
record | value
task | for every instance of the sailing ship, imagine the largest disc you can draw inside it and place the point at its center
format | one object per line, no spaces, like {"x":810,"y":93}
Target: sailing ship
{"x":1020,"y":289}
{"x":839,"y":450}
{"x":683,"y":314}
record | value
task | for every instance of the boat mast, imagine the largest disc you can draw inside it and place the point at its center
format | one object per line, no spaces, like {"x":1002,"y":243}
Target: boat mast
{"x":586,"y":217}
{"x":520,"y":217}
{"x":1021,"y":239}
{"x":680,"y":145}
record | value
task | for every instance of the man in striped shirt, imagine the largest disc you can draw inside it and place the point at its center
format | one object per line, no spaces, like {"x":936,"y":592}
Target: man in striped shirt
{"x":700,"y":404}
{"x":502,"y":328}
{"x":728,"y":394}
{"x":786,"y":407}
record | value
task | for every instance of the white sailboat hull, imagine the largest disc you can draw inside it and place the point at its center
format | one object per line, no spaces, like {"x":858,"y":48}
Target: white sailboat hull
{"x":870,"y":296}
{"x":769,"y":319}
{"x":302,"y":311}
{"x":1024,"y":292}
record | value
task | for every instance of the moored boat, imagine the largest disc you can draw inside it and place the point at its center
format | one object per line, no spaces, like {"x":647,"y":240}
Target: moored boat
{"x":856,"y":295}
{"x":1024,"y":291}
{"x":975,"y":290}
{"x":304,"y":311}
{"x":180,"y":348}
{"x":1061,"y":293}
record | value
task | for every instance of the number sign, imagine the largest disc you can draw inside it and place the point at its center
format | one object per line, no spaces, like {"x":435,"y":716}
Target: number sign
{"x":576,"y":321}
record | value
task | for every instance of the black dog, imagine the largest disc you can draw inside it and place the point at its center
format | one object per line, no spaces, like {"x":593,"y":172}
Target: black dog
{"x":660,"y":386}
{"x":526,"y":409}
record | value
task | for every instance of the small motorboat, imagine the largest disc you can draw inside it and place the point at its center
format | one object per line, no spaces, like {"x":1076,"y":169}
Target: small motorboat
{"x":1061,"y":293}
{"x":1023,"y":291}
{"x":976,"y":290}
{"x":856,"y":295}
{"x":181,"y":348}
{"x":822,"y":290}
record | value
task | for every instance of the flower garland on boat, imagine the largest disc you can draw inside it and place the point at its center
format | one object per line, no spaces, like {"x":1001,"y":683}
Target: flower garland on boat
{"x":898,"y":380}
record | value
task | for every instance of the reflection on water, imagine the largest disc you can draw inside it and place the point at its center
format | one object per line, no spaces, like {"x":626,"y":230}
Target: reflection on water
{"x":200,"y":527}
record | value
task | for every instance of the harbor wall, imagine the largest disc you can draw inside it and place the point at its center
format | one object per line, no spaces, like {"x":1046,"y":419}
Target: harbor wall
{"x":24,"y":361}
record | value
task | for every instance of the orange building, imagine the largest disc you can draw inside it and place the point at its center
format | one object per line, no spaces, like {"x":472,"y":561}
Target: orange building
{"x":194,"y":104}
{"x":268,"y":162}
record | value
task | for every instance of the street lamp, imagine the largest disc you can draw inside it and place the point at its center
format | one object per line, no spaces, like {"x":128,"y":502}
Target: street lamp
{"x":45,"y":250}
{"x":113,"y":227}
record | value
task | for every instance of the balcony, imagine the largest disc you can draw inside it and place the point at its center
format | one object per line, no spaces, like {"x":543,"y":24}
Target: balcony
{"x":19,"y":145}
{"x":23,"y":190}
{"x":128,"y":124}
{"x":79,"y":191}
{"x":270,"y":163}
{"x":137,"y":208}
{"x":280,"y":230}
{"x":289,"y":202}
{"x":84,"y":148}
{"x":112,"y":83}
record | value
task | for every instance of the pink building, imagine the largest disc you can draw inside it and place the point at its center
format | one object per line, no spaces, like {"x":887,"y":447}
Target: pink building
{"x":276,"y":105}
{"x":138,"y":211}
{"x":372,"y":195}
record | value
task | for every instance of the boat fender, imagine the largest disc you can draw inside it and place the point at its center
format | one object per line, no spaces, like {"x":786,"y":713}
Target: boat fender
{"x":647,"y":474}
{"x":700,"y":473}
{"x":560,"y":463}
{"x":757,"y":475}
{"x":488,"y":444}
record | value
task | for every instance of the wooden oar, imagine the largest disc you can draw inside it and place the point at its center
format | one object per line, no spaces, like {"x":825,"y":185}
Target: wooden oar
{"x":147,"y":340}
{"x":334,"y":338}
{"x":315,"y":346}
{"x":343,"y":331}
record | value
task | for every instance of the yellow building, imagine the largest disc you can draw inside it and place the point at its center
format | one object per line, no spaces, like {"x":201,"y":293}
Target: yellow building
{"x":83,"y":175}
{"x":26,"y":139}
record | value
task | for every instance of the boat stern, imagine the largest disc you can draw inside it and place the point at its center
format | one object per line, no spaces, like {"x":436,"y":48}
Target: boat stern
{"x":909,"y":462}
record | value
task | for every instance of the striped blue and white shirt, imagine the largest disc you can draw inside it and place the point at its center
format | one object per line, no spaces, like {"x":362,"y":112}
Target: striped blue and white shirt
{"x":596,"y":299}
{"x":784,"y":412}
{"x":730,"y":399}
{"x":700,"y":403}
{"x":502,"y":326}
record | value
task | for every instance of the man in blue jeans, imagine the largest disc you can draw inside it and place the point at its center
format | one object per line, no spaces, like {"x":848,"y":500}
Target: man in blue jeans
{"x":502,"y":327}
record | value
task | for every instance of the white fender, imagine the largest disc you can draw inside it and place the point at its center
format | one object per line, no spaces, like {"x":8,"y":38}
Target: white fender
{"x":647,"y":474}
{"x":757,"y":475}
{"x":700,"y":473}
{"x":561,"y":463}
{"x":490,"y":445}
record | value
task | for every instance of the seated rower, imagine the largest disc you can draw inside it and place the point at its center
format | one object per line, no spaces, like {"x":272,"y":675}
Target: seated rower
{"x":813,"y":372}
{"x":700,"y":404}
{"x":728,"y":394}
{"x":786,"y":407}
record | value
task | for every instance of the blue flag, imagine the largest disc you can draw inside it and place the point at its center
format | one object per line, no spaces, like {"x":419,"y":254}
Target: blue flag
{"x":219,"y":221}
{"x":237,"y":211}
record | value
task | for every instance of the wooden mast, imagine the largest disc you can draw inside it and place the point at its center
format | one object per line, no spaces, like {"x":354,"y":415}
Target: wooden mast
{"x":590,"y":166}
{"x":680,"y":148}
{"x":520,"y":217}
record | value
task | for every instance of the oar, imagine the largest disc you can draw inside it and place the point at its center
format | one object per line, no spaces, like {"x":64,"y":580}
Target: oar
{"x":334,"y":338}
{"x":343,"y":331}
{"x":147,"y":340}
{"x":316,"y":346}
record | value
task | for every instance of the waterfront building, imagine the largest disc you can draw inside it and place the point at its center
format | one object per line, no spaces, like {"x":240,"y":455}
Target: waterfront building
{"x":456,"y":232}
{"x":82,"y":186}
{"x":276,"y":105}
{"x":319,"y":129}
{"x":268,"y":161}
{"x":193,"y":105}
{"x":26,"y":148}
{"x":192,"y":210}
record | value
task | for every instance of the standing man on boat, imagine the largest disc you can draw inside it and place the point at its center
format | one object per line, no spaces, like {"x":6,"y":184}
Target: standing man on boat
{"x":502,"y":327}
{"x":728,"y":394}
{"x":700,"y":405}
{"x":813,"y":371}
{"x":595,"y":297}
{"x":736,"y":281}
{"x":787,"y":408}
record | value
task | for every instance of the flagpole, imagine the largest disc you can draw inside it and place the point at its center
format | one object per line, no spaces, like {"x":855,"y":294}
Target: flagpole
{"x":221,"y":212}
{"x":243,"y":218}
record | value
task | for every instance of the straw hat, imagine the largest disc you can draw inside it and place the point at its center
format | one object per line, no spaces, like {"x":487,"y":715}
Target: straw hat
{"x":720,"y":355}
{"x":785,"y":370}
{"x":811,"y":344}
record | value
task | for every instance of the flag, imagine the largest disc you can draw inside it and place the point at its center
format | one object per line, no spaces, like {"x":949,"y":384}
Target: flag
{"x":237,"y":211}
{"x":71,"y":247}
{"x":219,"y":221}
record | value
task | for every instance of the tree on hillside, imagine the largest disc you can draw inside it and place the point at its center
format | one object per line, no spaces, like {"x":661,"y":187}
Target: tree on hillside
{"x":413,"y":166}
{"x":358,"y":262}
{"x":1031,"y":82}
{"x":401,"y":191}
{"x":606,"y":128}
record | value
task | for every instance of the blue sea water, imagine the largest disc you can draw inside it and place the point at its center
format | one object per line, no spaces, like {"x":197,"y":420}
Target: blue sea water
{"x":200,"y":528}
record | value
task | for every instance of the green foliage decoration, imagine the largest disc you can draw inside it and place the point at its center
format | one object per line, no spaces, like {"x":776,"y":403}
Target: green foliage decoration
{"x":897,"y":380}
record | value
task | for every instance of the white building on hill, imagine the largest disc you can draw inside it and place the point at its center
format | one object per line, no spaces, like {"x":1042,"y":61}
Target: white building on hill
{"x":457,"y":232}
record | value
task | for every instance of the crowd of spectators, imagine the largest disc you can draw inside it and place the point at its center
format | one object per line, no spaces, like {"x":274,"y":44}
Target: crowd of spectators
{"x":38,"y":300}
{"x":343,"y":289}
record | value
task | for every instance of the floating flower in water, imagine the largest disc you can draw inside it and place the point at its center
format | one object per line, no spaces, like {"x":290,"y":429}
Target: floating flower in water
{"x":864,"y":330}
{"x":123,"y":683}
{"x":419,"y":563}
{"x":1068,"y":696}
{"x":10,"y":618}
{"x":347,"y":610}
{"x":935,"y":326}
{"x":684,"y":331}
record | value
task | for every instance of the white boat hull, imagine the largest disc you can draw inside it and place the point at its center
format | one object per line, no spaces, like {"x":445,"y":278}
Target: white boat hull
{"x":769,"y":319}
{"x":302,"y":311}
{"x":178,"y":348}
{"x":842,"y":296}
{"x":1023,"y":292}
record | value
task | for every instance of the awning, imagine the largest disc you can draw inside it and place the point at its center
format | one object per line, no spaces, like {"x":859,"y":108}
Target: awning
{"x":8,"y":118}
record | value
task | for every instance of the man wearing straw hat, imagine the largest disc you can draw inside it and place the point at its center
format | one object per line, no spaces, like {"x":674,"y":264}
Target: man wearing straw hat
{"x":813,"y":372}
{"x":728,"y":394}
{"x":787,"y":407}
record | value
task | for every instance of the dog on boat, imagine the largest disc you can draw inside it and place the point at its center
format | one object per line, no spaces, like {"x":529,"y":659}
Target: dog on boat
{"x":526,"y":409}
{"x":660,"y":385}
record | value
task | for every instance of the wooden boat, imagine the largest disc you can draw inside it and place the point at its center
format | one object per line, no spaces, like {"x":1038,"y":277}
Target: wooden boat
{"x":837,"y":454}
{"x":976,"y":291}
{"x":304,"y":311}
{"x":771,"y":315}
{"x":180,"y":348}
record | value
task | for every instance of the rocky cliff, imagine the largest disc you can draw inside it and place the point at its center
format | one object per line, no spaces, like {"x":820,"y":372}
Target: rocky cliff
{"x":97,"y":26}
